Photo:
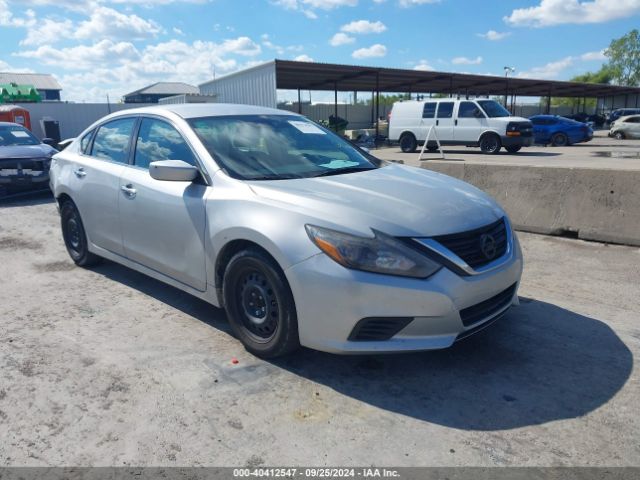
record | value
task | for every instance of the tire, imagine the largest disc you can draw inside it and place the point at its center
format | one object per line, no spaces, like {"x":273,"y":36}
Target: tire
{"x":75,"y":237}
{"x":408,"y":143}
{"x":559,"y":140}
{"x":490,"y":144}
{"x":260,"y":305}
{"x":619,"y":136}
{"x":513,"y":148}
{"x":432,"y":148}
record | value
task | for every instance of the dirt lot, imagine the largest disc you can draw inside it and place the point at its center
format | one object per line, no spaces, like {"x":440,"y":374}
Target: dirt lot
{"x":108,"y":367}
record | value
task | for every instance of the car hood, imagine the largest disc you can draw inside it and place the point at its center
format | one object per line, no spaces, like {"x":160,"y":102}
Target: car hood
{"x":395,"y":199}
{"x":26,"y":151}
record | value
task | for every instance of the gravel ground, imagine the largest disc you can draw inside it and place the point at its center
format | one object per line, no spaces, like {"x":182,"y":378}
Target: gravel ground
{"x":106,"y":367}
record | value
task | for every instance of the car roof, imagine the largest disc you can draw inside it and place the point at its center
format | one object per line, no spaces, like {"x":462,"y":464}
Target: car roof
{"x":10,"y":124}
{"x":628,"y":116}
{"x":196,"y":110}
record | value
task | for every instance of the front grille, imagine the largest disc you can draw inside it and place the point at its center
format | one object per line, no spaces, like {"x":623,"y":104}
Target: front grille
{"x":480,"y":246}
{"x":41,"y":164}
{"x":488,"y":308}
{"x":378,"y":328}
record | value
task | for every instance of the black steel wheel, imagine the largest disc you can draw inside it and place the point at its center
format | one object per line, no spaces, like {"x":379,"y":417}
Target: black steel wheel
{"x":75,"y":238}
{"x":260,"y":305}
{"x":490,"y":143}
{"x":619,"y":135}
{"x":408,"y":143}
{"x":559,"y":140}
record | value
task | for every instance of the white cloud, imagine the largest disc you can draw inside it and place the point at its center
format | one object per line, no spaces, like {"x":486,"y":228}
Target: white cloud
{"x":106,"y":22}
{"x":5,"y":67}
{"x":241,"y":46}
{"x":494,"y":36}
{"x":555,"y":69}
{"x":411,"y":3}
{"x":308,"y":7}
{"x":466,"y":61}
{"x":83,"y":57}
{"x":593,"y":56}
{"x":48,"y":31}
{"x":177,"y":31}
{"x":303,"y":58}
{"x":341,"y":39}
{"x":376,"y":50}
{"x":558,"y":12}
{"x":362,"y":27}
{"x":424,"y":66}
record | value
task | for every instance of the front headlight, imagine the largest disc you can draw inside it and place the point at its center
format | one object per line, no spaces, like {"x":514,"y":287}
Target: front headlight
{"x":380,"y":254}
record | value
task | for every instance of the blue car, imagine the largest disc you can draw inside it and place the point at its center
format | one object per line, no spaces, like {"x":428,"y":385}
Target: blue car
{"x":559,"y":131}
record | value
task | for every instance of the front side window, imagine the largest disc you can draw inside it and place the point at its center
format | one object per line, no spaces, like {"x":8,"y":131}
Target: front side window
{"x":278,"y":147}
{"x":84,"y":142}
{"x":112,"y":140}
{"x":157,"y":140}
{"x":469,"y":110}
{"x":429,"y":110}
{"x":16,"y":135}
{"x":493,"y":109}
{"x":445,"y":110}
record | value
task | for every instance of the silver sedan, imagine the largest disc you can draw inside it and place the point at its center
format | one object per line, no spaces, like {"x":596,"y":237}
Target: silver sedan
{"x":303,"y":238}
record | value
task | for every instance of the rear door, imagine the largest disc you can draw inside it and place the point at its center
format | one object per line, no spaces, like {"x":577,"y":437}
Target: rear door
{"x":444,"y":121}
{"x":427,"y":120}
{"x":469,"y":123}
{"x":95,"y":181}
{"x":163,"y":223}
{"x":632,"y":127}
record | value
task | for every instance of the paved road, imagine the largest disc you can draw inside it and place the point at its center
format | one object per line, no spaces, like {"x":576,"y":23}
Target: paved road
{"x":601,"y":152}
{"x":108,"y":367}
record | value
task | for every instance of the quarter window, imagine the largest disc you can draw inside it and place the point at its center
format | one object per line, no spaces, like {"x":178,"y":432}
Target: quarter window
{"x":84,"y":142}
{"x":157,"y":140}
{"x":429,"y":110}
{"x":445,"y":109}
{"x":112,"y":140}
{"x":469,"y":110}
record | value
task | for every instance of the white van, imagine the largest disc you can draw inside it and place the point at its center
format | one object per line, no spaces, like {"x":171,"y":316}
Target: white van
{"x":484,"y":123}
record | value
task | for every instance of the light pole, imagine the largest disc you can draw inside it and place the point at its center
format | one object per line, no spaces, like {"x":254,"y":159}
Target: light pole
{"x":507,"y":71}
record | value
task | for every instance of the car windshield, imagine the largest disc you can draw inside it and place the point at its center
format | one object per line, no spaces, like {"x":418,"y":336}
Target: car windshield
{"x":493,"y":109}
{"x":277,"y":147}
{"x":11,"y":135}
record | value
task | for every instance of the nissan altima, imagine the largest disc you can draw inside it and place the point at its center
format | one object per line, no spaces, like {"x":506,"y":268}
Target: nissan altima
{"x":302,"y":237}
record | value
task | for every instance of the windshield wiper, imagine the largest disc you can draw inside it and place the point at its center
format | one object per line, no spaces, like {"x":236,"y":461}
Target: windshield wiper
{"x":340,"y":171}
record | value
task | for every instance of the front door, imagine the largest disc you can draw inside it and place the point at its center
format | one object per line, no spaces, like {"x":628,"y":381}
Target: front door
{"x":470,"y":122}
{"x":163,"y":223}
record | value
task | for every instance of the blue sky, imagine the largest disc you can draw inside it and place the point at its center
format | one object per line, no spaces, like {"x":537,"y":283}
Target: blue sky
{"x":100,"y":47}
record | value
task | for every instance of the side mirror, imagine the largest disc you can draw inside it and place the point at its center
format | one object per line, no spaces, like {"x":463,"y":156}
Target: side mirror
{"x":49,"y":141}
{"x":173,"y":171}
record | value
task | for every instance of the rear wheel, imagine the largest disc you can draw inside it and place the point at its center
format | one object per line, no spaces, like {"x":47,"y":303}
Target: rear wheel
{"x":490,"y":143}
{"x":260,"y":304}
{"x":559,"y":140}
{"x":619,"y":135}
{"x":513,"y":148}
{"x":75,"y":238}
{"x":408,"y":143}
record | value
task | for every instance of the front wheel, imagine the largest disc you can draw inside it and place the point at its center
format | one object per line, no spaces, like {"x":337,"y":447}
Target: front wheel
{"x":490,"y":144}
{"x":260,"y":304}
{"x":75,"y":238}
{"x":513,"y":148}
{"x":619,"y":135}
{"x":559,"y":140}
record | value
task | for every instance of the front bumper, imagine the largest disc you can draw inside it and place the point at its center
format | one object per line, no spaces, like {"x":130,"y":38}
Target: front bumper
{"x":331,"y":300}
{"x":516,"y":141}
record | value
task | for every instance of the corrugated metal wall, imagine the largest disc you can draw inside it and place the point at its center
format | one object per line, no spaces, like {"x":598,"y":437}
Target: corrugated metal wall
{"x":73,"y":118}
{"x":358,"y":116}
{"x":254,"y":86}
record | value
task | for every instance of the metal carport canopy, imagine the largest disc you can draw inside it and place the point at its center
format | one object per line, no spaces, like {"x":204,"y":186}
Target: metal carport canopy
{"x":292,"y":75}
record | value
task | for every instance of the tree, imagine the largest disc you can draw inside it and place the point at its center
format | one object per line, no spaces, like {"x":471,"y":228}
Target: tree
{"x":624,"y":59}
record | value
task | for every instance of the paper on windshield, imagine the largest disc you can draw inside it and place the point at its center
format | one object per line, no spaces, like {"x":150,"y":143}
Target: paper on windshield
{"x":19,"y":134}
{"x":307,"y":127}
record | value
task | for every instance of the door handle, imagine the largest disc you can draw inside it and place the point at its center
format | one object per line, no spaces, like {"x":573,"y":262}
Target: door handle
{"x":456,"y":122}
{"x":128,"y":190}
{"x":437,"y":122}
{"x":79,"y":172}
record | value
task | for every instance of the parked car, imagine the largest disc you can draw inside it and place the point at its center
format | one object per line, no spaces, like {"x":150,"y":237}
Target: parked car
{"x":626,"y":127}
{"x":302,"y":237}
{"x":24,"y":160}
{"x":473,"y":123}
{"x":559,"y":131}
{"x":622,"y":112}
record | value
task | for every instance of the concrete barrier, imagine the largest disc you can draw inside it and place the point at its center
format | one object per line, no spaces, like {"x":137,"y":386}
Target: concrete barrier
{"x":591,"y":204}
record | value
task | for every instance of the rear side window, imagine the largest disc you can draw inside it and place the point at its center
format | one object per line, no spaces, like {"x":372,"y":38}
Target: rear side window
{"x":469,"y":110}
{"x":633,"y":120}
{"x":429,"y":110}
{"x":85,"y":141}
{"x":157,"y":140}
{"x":445,"y":109}
{"x":112,"y":140}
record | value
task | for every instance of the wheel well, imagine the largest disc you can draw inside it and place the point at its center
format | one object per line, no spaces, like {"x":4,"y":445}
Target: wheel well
{"x":226,"y":254}
{"x":406,"y":132}
{"x":484,"y":134}
{"x":63,"y":197}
